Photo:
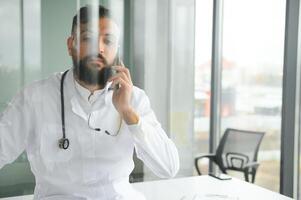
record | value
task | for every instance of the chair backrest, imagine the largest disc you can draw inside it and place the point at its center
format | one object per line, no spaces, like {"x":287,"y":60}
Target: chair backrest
{"x":238,"y":147}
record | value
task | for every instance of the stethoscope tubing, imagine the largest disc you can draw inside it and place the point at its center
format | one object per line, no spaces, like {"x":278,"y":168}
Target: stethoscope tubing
{"x":63,"y":142}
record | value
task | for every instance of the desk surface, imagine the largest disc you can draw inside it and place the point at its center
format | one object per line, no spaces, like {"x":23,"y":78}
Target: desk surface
{"x":198,"y":188}
{"x":205,"y":188}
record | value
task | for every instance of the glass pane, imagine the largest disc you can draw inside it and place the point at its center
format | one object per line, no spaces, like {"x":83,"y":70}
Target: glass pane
{"x":46,"y":26}
{"x":15,"y":178}
{"x":32,"y":40}
{"x":181,"y":72}
{"x":203,"y":44}
{"x":44,"y":43}
{"x":253,"y":39}
{"x":164,"y":43}
{"x":10,"y":63}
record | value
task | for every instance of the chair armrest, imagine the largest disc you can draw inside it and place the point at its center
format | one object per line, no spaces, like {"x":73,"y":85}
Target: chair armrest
{"x":211,"y":157}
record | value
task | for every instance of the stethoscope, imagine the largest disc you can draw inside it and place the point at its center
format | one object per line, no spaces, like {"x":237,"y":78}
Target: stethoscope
{"x":64,"y":141}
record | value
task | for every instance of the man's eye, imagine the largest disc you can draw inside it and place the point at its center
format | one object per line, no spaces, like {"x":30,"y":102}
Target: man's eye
{"x":109,"y":41}
{"x":86,"y":38}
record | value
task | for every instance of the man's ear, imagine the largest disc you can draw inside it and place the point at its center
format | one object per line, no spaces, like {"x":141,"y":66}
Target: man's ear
{"x":70,"y":42}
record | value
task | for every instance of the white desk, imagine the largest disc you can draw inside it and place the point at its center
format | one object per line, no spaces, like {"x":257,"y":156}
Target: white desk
{"x":198,"y":188}
{"x":205,"y":188}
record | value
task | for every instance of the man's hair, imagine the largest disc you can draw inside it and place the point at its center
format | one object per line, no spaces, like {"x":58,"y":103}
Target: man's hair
{"x":85,"y":15}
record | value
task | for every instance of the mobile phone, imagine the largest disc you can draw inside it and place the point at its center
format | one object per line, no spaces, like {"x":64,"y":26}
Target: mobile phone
{"x":109,"y":71}
{"x":220,"y":176}
{"x":117,"y":60}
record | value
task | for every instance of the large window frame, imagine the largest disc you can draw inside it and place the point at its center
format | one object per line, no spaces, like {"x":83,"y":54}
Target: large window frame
{"x":290,"y":127}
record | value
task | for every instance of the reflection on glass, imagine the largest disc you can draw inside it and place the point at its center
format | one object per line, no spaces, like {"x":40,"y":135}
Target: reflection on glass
{"x":252,"y":77}
{"x":27,"y":27}
{"x":203,"y":43}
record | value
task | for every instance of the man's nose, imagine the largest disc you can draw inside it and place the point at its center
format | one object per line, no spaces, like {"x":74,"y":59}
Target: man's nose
{"x":101,"y":47}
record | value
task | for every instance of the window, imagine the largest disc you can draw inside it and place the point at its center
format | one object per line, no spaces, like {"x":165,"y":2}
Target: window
{"x":252,"y":66}
{"x":16,"y":178}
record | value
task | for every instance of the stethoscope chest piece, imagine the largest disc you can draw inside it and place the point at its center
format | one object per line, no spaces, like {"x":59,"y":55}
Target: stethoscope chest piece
{"x":64,"y":143}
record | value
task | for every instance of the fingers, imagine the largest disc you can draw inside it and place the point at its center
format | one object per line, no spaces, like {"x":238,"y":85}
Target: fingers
{"x":123,"y":69}
{"x":121,"y":83}
{"x":123,"y":73}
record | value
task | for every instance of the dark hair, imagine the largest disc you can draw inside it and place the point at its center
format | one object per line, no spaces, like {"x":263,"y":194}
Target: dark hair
{"x":85,"y":15}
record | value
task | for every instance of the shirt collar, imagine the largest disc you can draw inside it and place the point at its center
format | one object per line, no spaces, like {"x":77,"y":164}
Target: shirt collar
{"x":71,"y":90}
{"x":85,"y":93}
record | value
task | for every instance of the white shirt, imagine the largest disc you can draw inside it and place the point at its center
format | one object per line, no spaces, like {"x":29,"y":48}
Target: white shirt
{"x":96,"y":165}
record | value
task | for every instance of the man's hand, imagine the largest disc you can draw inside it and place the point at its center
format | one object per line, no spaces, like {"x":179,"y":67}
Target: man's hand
{"x":122,"y":95}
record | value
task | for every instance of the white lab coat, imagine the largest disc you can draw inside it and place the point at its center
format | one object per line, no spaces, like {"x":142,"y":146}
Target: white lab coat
{"x":96,"y":165}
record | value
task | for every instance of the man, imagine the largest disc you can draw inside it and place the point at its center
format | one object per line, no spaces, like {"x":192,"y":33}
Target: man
{"x":79,"y":130}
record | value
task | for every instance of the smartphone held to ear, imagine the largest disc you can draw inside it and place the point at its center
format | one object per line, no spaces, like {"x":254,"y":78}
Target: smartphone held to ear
{"x":110,"y":71}
{"x":106,"y":73}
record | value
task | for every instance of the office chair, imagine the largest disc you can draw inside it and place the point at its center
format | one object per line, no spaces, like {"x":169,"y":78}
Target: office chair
{"x":237,"y":151}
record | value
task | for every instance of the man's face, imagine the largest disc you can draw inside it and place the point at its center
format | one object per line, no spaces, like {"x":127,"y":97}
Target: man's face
{"x":94,"y":48}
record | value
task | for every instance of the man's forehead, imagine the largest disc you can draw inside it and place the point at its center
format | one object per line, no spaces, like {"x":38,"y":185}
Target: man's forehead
{"x":102,"y":26}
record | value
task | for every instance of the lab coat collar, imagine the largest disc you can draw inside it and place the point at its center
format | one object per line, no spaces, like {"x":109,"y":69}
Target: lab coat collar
{"x":71,"y":91}
{"x":86,"y":94}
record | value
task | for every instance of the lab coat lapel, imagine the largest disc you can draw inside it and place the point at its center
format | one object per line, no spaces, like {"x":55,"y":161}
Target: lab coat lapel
{"x":70,"y":91}
{"x":77,"y":109}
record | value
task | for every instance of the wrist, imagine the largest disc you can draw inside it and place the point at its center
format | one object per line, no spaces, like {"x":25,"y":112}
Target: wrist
{"x":130,"y":116}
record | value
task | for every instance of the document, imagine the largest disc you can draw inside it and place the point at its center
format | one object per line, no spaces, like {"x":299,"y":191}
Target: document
{"x":209,"y":197}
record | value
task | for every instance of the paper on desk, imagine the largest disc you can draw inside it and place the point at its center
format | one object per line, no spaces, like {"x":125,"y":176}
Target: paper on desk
{"x":208,"y":197}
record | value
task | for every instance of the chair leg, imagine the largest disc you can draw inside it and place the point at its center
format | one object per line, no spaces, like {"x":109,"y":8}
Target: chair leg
{"x":246,"y":173}
{"x":253,"y":174}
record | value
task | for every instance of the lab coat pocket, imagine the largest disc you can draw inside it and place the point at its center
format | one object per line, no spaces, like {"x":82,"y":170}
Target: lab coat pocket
{"x":50,"y":150}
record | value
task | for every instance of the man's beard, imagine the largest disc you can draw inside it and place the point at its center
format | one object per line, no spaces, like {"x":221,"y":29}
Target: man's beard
{"x":87,"y":73}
